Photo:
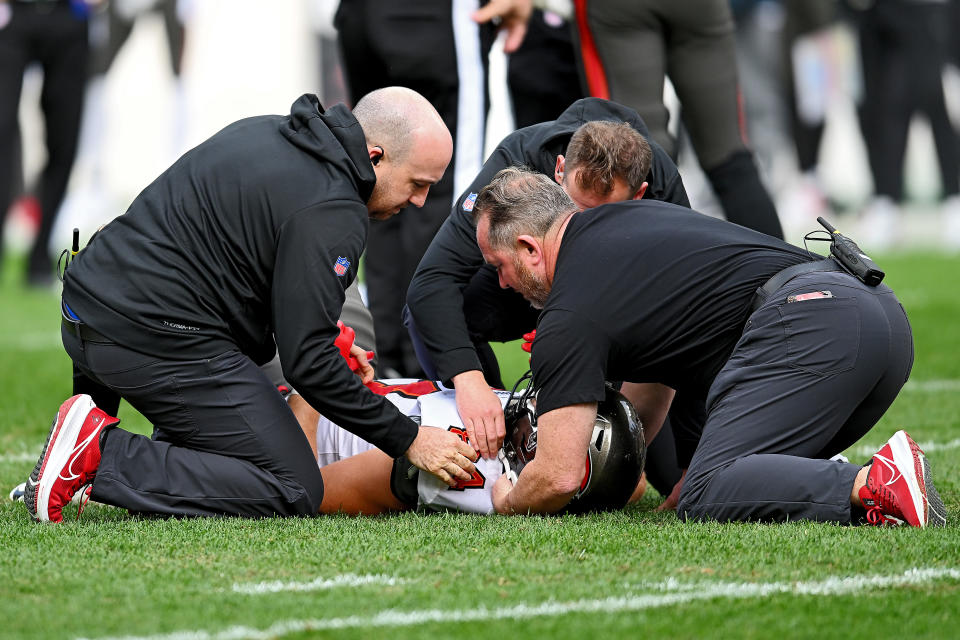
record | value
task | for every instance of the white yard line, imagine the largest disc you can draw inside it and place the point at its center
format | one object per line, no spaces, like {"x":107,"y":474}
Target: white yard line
{"x":670,"y":592}
{"x":933,"y":386}
{"x":25,"y":456}
{"x":867,"y":450}
{"x":256,"y":588}
{"x":32,"y":341}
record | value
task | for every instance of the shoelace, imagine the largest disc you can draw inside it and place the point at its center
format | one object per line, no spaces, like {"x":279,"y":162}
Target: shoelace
{"x":875,"y":516}
{"x":884,"y":503}
{"x":84,"y":498}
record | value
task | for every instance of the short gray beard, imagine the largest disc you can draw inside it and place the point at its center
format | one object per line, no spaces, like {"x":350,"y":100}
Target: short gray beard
{"x":532,"y":287}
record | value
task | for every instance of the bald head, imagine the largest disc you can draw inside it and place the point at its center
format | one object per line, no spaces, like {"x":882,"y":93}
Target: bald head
{"x":408,"y":144}
{"x":399,"y":119}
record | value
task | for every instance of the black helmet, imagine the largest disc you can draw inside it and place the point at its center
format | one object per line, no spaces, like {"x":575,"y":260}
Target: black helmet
{"x":616,"y":455}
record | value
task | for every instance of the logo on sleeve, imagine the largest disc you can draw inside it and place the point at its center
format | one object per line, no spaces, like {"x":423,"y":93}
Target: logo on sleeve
{"x":469,"y":201}
{"x":341,"y":266}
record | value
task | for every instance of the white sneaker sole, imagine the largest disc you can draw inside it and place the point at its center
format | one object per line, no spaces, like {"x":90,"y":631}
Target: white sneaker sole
{"x":910,"y":462}
{"x":58,"y":455}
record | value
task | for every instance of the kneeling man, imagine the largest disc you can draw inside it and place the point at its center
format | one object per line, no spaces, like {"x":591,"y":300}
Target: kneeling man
{"x":770,"y":386}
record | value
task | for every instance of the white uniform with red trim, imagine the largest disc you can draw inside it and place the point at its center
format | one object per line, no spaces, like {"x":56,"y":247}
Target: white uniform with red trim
{"x":427,"y":403}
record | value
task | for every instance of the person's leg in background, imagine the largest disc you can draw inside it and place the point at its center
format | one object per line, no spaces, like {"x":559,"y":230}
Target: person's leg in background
{"x":805,"y":199}
{"x":63,"y":53}
{"x":929,"y":46}
{"x":634,"y":40}
{"x":14,"y":56}
{"x":893,"y":59}
{"x":622,"y":55}
{"x":701,"y":63}
{"x":542,"y":74}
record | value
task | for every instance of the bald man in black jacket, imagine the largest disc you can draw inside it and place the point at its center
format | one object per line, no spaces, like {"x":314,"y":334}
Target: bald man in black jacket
{"x":252,"y":236}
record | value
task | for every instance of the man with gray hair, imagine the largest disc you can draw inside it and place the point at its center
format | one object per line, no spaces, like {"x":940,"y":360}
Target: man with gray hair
{"x":783,"y":360}
{"x":251,"y":236}
{"x":598,"y":150}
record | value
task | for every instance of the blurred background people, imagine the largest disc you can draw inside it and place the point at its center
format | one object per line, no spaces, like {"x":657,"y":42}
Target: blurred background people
{"x":542,"y":75}
{"x":110,"y":30}
{"x":628,"y":47}
{"x":52,"y":34}
{"x":904,"y":48}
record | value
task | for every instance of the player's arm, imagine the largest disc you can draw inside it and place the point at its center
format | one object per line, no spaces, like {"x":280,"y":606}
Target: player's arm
{"x":481,"y":412}
{"x":552,"y":478}
{"x":652,"y":402}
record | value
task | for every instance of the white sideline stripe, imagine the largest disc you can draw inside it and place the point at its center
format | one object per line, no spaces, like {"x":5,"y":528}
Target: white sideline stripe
{"x":32,"y":341}
{"x":933,"y":386}
{"x":866,"y":450}
{"x":20,"y":457}
{"x":348,"y":580}
{"x":671,"y":592}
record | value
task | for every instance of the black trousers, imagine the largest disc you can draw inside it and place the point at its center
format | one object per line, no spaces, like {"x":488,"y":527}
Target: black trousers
{"x":411,"y":44}
{"x":903,"y":49}
{"x":542,"y":74}
{"x":224,"y":441}
{"x":628,"y":47}
{"x":47,"y":33}
{"x":806,"y":380}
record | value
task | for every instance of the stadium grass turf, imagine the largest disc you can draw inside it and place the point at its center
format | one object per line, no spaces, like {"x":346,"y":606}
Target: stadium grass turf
{"x":629,"y":574}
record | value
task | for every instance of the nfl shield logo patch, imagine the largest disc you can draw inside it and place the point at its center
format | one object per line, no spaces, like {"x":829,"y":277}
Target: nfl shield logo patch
{"x":469,"y":201}
{"x":341,"y":266}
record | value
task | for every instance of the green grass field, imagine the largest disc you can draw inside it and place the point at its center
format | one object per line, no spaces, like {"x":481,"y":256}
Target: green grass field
{"x":630,"y":574}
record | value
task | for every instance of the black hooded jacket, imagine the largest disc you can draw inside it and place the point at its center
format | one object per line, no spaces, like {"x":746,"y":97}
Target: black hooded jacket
{"x":250,"y":237}
{"x":435,"y":298}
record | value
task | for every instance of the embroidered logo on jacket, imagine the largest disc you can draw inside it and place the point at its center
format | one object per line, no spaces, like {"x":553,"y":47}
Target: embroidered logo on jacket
{"x":469,"y":201}
{"x":341,"y":266}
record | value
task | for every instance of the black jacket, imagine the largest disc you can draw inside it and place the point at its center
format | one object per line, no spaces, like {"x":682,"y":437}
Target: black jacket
{"x":435,"y":297}
{"x":253,"y":235}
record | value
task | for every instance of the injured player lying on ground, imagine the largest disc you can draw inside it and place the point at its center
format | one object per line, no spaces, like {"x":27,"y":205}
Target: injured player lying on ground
{"x":359,"y":479}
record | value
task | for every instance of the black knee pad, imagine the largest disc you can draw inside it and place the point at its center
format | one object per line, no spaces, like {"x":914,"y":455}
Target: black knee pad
{"x":403,"y":481}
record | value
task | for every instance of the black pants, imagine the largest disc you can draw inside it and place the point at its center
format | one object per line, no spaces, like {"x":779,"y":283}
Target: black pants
{"x":47,"y":33}
{"x":806,"y":380}
{"x":903,"y":48}
{"x":412,"y":44}
{"x":224,"y":441}
{"x":628,"y":47}
{"x":542,"y":74}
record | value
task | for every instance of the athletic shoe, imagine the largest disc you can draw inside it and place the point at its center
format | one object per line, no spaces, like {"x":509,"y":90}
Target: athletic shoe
{"x":17,"y":493}
{"x":69,"y":460}
{"x":899,"y":488}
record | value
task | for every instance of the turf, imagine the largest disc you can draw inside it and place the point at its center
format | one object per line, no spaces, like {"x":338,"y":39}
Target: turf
{"x":409,"y":576}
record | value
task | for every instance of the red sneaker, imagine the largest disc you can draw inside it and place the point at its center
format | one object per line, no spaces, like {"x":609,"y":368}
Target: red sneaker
{"x":69,"y":460}
{"x":899,"y":486}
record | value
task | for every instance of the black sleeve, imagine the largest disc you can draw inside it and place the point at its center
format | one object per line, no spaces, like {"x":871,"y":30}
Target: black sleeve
{"x":307,"y":297}
{"x":664,"y":179}
{"x":569,"y":360}
{"x":687,"y":417}
{"x":435,"y":296}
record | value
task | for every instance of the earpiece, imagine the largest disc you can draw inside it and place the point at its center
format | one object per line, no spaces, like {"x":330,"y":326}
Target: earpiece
{"x":375,"y":161}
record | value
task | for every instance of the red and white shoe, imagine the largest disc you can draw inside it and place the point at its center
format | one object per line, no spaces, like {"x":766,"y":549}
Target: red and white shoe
{"x":899,"y":486}
{"x":69,"y":460}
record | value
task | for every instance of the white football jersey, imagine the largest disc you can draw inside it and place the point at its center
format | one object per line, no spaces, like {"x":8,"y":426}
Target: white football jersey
{"x":431,"y":404}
